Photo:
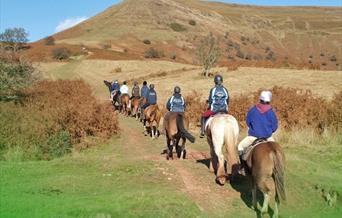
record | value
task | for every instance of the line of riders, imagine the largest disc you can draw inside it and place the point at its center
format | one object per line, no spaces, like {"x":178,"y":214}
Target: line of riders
{"x":261,"y":120}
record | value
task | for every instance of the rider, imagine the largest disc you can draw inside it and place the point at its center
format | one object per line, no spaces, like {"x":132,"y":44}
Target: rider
{"x":176,"y":102}
{"x":115,"y":86}
{"x":218,"y":102}
{"x":144,"y":90}
{"x":151,"y":97}
{"x":124,"y":88}
{"x":261,"y":121}
{"x":135,"y":90}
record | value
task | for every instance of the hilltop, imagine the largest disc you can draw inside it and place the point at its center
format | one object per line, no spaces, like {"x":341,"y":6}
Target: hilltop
{"x":308,"y":37}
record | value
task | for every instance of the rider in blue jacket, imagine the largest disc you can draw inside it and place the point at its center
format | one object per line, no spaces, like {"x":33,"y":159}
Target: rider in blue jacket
{"x":151,"y":97}
{"x":176,"y":103}
{"x":218,"y":102}
{"x":144,"y":90}
{"x":115,"y":86}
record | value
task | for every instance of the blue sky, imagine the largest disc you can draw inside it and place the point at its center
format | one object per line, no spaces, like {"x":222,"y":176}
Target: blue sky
{"x":45,"y":17}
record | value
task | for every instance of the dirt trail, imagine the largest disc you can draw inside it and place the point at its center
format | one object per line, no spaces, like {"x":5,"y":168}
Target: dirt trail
{"x":193,"y":177}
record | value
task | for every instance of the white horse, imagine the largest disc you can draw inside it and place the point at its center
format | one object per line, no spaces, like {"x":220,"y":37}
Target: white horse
{"x":222,"y":131}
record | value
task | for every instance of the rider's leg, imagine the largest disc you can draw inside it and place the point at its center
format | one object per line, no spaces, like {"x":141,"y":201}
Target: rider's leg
{"x":204,"y":118}
{"x":247,"y":141}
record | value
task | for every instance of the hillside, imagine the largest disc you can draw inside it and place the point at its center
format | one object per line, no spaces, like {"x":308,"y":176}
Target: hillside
{"x":308,"y":37}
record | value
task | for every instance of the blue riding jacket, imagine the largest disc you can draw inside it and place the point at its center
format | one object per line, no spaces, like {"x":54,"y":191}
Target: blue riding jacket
{"x":218,"y":99}
{"x":176,"y":103}
{"x":261,"y":124}
{"x":152,"y":97}
{"x":144,"y":91}
{"x":115,"y":87}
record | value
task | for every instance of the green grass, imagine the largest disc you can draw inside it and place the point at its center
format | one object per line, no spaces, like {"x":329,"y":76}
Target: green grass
{"x":116,"y":180}
{"x":92,"y":184}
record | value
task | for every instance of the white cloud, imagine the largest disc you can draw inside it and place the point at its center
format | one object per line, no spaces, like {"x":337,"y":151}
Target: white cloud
{"x":69,"y":22}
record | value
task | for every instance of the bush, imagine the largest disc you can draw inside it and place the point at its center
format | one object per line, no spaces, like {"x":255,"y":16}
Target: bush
{"x":14,"y":76}
{"x":177,"y":27}
{"x":49,"y":40}
{"x":54,"y":117}
{"x":61,"y":53}
{"x":153,"y":53}
{"x":173,"y":55}
{"x":333,"y":58}
{"x":239,"y":54}
{"x":192,"y":22}
{"x":147,"y":42}
{"x":295,"y":109}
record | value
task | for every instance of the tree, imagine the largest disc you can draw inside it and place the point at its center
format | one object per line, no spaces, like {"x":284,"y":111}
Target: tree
{"x":15,"y":37}
{"x":208,"y":53}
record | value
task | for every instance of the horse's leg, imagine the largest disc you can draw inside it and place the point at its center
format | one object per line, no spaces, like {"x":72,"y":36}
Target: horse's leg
{"x":264,"y":208}
{"x":254,"y":191}
{"x":183,"y":154}
{"x":276,"y":207}
{"x":168,"y":148}
{"x":145,"y":128}
{"x":178,"y":148}
{"x":221,"y":174}
{"x":152,"y":131}
{"x":213,"y":160}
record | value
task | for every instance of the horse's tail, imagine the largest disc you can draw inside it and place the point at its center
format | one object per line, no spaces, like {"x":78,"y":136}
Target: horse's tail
{"x":278,"y":173}
{"x":182,"y":130}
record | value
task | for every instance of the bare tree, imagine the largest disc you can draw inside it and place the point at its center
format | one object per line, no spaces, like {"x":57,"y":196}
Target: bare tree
{"x":14,"y":38}
{"x":208,"y":52}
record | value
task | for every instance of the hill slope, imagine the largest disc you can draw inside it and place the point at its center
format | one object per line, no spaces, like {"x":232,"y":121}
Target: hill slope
{"x":281,"y":36}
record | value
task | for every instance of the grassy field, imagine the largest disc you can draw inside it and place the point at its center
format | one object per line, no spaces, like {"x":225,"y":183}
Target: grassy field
{"x":243,"y":80}
{"x":129,"y":177}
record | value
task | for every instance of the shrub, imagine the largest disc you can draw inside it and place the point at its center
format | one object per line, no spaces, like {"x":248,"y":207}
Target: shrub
{"x":270,"y":56}
{"x":239,"y":54}
{"x":49,"y":40}
{"x":61,"y":53}
{"x":147,"y":42}
{"x":173,"y":55}
{"x":177,"y":27}
{"x":195,"y":106}
{"x":54,"y":117}
{"x":117,"y":70}
{"x":14,"y":76}
{"x":333,"y":58}
{"x":192,"y":22}
{"x":153,"y":53}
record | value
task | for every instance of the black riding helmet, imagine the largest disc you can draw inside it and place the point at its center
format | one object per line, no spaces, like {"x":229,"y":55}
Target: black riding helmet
{"x":124,"y":82}
{"x":218,"y":79}
{"x":144,"y":83}
{"x":151,"y":86}
{"x":177,"y":90}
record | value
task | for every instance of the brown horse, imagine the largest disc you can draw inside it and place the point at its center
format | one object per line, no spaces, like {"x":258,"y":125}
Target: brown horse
{"x":152,"y":116}
{"x":143,"y":101}
{"x":174,"y":130}
{"x":109,"y":86}
{"x":266,"y":165}
{"x":135,"y":107}
{"x":125,"y":104}
{"x":222,"y":134}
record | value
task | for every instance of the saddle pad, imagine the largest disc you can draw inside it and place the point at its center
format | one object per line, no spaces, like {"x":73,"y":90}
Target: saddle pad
{"x":250,"y":148}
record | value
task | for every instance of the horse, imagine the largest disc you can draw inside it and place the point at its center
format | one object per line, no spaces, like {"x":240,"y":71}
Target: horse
{"x":115,"y":99}
{"x":109,"y":86}
{"x":152,"y":116}
{"x":266,"y":165}
{"x":174,"y":131}
{"x":142,"y":101}
{"x":125,"y":108}
{"x":222,"y":131}
{"x":135,"y":107}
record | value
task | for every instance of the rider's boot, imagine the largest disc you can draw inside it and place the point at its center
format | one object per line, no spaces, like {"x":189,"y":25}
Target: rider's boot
{"x":203,"y":119}
{"x":242,"y":170}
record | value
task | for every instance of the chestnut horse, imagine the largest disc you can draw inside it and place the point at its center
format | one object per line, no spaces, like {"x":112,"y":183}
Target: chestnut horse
{"x":174,"y":131}
{"x":135,"y":107}
{"x":125,"y":109}
{"x":266,"y":164}
{"x":109,"y":86}
{"x":222,"y":132}
{"x":152,"y":116}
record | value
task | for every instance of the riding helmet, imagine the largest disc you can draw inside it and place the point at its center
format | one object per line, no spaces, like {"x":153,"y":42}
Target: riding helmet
{"x":218,"y":79}
{"x":151,"y":86}
{"x":124,"y":82}
{"x":176,"y":90}
{"x":144,"y":83}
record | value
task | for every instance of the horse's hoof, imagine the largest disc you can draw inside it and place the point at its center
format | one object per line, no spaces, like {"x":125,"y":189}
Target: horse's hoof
{"x":221,"y":180}
{"x":184,"y":154}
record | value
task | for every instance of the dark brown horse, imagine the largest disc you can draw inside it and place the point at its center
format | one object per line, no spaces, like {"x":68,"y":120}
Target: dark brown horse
{"x":109,"y":86}
{"x":266,"y":165}
{"x":135,"y":107}
{"x":174,"y":127}
{"x":152,"y":116}
{"x":125,"y":109}
{"x":143,"y":101}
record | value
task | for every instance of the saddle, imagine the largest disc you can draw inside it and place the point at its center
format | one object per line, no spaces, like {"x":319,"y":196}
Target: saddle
{"x":250,"y":148}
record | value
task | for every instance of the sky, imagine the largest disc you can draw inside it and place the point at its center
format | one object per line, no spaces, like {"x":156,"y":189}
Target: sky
{"x":42,"y":18}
